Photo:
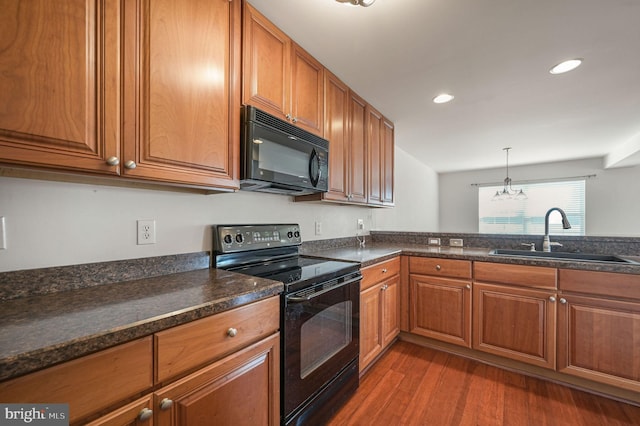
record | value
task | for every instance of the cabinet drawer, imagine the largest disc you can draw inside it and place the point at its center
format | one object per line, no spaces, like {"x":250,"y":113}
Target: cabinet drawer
{"x":440,"y":267}
{"x":601,"y":283}
{"x":379,"y":272}
{"x":88,"y":384}
{"x":191,"y":345}
{"x":528,"y":276}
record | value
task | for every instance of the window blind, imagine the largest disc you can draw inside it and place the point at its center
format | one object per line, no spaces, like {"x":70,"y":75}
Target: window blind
{"x":527,"y":216}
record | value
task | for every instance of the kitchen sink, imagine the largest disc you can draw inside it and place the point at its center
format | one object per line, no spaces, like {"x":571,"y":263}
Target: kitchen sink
{"x":559,"y":255}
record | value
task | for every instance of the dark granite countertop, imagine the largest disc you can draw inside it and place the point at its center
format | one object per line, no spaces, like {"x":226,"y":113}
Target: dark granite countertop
{"x":379,"y":251}
{"x":43,"y":330}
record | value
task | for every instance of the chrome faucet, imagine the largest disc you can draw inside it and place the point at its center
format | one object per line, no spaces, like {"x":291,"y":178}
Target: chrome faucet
{"x":546,"y":244}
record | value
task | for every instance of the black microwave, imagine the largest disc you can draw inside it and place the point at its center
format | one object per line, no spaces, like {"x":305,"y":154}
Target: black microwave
{"x":279,"y":157}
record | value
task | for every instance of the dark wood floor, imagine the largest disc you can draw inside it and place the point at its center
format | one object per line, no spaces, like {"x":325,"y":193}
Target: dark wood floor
{"x":412,"y":385}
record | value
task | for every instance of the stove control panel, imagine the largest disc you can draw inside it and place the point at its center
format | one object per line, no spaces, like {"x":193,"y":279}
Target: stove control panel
{"x":235,"y":238}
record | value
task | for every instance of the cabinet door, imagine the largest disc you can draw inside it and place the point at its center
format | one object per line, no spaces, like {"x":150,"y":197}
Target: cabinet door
{"x":266,"y":65}
{"x":307,"y":91}
{"x":183,"y":112}
{"x":441,"y":309}
{"x":357,"y":149}
{"x":390,"y":310}
{"x":60,"y":83}
{"x":516,"y":323}
{"x":370,"y":320}
{"x":599,"y":340}
{"x":388,"y":151}
{"x":241,"y":389}
{"x":374,"y":155}
{"x":336,"y":131}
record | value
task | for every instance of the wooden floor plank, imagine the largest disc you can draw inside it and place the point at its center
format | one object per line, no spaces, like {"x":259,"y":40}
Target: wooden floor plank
{"x":411,"y":385}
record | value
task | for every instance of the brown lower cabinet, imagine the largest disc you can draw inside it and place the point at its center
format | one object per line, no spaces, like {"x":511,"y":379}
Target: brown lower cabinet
{"x":440,"y":291}
{"x":379,"y":309}
{"x":599,"y":327}
{"x":241,"y":389}
{"x":221,"y":369}
{"x":516,"y":323}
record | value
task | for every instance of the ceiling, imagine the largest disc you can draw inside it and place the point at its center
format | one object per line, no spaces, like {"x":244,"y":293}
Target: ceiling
{"x":494,"y":57}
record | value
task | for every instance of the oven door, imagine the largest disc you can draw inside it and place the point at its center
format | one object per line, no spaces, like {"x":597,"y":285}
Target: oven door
{"x":321,"y":332}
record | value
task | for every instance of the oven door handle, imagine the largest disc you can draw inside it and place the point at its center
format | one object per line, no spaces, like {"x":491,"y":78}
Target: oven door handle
{"x":299,"y":299}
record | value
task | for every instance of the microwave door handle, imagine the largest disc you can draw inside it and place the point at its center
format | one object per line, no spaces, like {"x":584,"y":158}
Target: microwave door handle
{"x":315,"y":177}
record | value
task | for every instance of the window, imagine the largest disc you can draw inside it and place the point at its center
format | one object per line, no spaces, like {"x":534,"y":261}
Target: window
{"x":527,"y":216}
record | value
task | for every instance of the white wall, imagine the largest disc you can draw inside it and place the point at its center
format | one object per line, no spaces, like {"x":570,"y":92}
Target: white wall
{"x":416,"y":197}
{"x":54,"y":223}
{"x":612,"y":197}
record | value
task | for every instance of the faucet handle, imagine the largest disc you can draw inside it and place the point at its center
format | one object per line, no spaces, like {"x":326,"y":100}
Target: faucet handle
{"x":532,"y":246}
{"x":553,"y":243}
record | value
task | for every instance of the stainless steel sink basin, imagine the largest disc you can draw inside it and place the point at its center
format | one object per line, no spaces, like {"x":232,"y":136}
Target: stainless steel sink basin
{"x":558,"y":255}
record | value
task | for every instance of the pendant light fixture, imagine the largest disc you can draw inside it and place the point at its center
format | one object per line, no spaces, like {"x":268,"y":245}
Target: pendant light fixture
{"x":508,"y":193}
{"x":363,"y":3}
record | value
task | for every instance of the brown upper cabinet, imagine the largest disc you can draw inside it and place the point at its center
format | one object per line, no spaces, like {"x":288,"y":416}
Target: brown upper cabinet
{"x":182,"y":89}
{"x":60,"y":84}
{"x":345,"y":129}
{"x":279,"y":76}
{"x":380,"y":141}
{"x":149,"y":90}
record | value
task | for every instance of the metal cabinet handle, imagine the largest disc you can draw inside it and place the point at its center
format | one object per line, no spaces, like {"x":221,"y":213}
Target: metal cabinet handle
{"x":145,"y":414}
{"x":294,"y":119}
{"x":468,"y":286}
{"x":113,"y":161}
{"x":384,"y":270}
{"x":563,"y":300}
{"x":130,"y":164}
{"x":385,"y":286}
{"x":552,"y":299}
{"x":165,"y":404}
{"x":288,"y":116}
{"x":232,"y":332}
{"x":438,"y":267}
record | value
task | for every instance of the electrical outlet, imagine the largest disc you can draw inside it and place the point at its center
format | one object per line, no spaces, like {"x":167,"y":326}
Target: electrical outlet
{"x":146,"y":232}
{"x":434,"y":241}
{"x":3,"y":234}
{"x":360,"y":224}
{"x":318,"y":228}
{"x":455,"y":242}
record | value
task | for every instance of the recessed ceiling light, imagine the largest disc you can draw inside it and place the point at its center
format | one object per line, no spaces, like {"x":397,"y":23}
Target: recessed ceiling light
{"x":442,"y":98}
{"x":566,"y":66}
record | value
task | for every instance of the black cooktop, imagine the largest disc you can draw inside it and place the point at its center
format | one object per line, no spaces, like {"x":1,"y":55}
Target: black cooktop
{"x":298,"y":272}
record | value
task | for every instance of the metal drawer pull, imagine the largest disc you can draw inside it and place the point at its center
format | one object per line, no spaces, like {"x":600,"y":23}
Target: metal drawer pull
{"x":384,"y":271}
{"x":552,"y":299}
{"x":438,"y":267}
{"x":468,"y":286}
{"x":563,"y":300}
{"x":145,"y":414}
{"x":232,"y":332}
{"x":165,"y":404}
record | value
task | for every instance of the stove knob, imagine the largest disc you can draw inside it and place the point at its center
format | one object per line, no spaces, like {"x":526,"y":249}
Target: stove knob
{"x":239,"y":238}
{"x":289,"y":234}
{"x":297,"y":234}
{"x":227,"y":239}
